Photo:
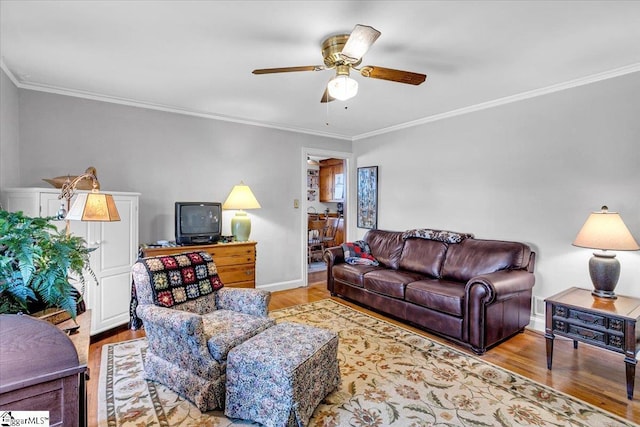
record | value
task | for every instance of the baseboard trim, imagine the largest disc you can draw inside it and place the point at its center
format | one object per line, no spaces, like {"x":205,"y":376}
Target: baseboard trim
{"x":536,"y":323}
{"x":281,"y":286}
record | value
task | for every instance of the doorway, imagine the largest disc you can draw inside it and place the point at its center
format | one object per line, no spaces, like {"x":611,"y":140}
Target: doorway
{"x":325,"y":205}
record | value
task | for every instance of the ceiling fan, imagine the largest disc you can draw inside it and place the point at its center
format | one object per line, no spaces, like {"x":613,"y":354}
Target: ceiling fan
{"x":344,"y":52}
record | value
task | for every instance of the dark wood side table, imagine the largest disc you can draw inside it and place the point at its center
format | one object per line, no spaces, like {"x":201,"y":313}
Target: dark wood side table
{"x":607,"y":323}
{"x":43,"y":369}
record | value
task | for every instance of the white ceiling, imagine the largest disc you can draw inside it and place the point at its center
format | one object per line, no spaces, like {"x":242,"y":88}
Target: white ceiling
{"x":196,"y":57}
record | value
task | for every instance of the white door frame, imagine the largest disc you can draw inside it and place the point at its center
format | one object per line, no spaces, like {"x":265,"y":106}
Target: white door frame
{"x":304,"y":205}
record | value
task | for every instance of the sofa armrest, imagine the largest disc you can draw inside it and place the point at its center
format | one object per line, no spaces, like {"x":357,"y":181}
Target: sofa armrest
{"x":243,"y":300}
{"x":499,"y":285}
{"x":497,"y":305}
{"x":332,"y":256}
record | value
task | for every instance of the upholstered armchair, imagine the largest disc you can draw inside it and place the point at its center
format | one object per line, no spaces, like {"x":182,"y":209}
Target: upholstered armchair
{"x":191,"y":322}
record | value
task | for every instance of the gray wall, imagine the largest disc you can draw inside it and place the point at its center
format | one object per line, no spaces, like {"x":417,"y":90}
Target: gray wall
{"x":172,"y":157}
{"x":530,"y":171}
{"x":9,"y":136}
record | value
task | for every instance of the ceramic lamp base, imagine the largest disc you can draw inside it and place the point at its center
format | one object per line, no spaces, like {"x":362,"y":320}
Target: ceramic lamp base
{"x":241,"y":226}
{"x":604,"y":270}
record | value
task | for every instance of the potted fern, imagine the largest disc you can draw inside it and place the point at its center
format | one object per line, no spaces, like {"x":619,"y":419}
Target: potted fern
{"x":37,"y":263}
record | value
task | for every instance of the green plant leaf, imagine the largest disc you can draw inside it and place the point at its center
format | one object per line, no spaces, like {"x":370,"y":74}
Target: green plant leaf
{"x":36,"y":261}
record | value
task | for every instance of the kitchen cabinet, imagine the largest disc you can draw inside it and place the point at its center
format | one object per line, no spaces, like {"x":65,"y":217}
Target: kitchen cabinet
{"x":115,"y":243}
{"x":332,"y":180}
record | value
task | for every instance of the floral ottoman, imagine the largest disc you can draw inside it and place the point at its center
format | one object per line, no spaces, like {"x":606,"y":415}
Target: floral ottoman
{"x":279,"y":377}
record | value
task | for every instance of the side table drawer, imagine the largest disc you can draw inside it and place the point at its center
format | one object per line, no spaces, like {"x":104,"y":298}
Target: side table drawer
{"x":591,"y":328}
{"x":588,"y":335}
{"x":608,"y":340}
{"x":587,"y":319}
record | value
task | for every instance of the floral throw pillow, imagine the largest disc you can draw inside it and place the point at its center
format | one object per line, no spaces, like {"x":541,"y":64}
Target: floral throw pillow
{"x":439,"y":235}
{"x":358,"y":253}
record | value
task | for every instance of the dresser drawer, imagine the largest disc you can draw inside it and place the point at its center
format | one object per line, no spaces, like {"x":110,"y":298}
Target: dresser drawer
{"x":230,"y":255}
{"x":230,"y":275}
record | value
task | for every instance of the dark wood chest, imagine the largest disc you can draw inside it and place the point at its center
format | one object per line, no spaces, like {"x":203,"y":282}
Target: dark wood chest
{"x":40,"y":370}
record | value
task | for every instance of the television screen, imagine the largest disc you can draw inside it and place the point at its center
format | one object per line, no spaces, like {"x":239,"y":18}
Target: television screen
{"x":198,"y":222}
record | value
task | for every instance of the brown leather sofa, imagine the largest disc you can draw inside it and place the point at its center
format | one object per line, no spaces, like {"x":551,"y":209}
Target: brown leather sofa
{"x":474,"y":292}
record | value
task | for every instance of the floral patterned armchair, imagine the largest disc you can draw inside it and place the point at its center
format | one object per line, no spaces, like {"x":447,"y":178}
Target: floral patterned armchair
{"x":191,"y":322}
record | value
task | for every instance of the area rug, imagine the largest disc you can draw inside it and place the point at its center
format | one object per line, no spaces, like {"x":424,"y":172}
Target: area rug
{"x":390,"y":377}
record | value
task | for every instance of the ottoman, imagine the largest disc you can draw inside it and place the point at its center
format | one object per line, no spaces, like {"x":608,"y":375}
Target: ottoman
{"x":280,"y":376}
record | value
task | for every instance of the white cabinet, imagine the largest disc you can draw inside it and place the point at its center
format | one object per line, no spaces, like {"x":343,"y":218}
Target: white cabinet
{"x":116,"y":246}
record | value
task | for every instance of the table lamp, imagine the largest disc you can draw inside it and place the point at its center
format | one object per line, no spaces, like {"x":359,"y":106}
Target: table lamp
{"x":605,"y":231}
{"x":241,"y":198}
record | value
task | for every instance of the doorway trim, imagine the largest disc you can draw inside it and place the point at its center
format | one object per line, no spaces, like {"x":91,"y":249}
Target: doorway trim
{"x":304,"y":205}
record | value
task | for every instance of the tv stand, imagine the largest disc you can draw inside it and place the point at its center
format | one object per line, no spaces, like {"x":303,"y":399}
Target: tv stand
{"x":236,"y":262}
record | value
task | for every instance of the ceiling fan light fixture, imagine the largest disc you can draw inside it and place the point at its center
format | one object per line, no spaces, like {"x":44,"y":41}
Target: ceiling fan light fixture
{"x":342,"y":87}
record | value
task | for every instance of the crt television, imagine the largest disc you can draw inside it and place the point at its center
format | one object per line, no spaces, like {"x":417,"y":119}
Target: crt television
{"x":198,"y":222}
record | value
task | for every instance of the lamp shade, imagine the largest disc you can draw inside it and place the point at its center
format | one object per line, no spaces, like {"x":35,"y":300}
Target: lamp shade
{"x":93,"y":206}
{"x":241,"y":197}
{"x":606,"y":231}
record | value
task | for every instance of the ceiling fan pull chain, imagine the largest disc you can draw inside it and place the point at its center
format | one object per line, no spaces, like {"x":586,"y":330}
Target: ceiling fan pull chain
{"x":327,"y":122}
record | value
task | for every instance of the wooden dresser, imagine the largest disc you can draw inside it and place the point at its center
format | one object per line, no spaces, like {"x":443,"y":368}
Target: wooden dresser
{"x":236,"y":262}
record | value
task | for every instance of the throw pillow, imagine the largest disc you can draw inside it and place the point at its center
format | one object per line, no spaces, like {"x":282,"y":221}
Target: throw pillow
{"x":439,"y":235}
{"x":358,"y":253}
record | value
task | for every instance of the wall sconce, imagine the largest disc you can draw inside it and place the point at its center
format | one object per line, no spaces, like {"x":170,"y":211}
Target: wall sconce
{"x":241,"y":197}
{"x":92,"y":206}
{"x":605,"y":230}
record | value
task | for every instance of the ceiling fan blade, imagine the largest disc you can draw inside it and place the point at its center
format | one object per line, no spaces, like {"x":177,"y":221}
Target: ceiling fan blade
{"x":289,"y":69}
{"x":393,"y":75}
{"x":326,"y":97}
{"x":359,"y":42}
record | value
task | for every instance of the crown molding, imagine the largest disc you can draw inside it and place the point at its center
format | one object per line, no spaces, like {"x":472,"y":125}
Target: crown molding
{"x":633,"y":68}
{"x":170,"y":109}
{"x":8,"y":72}
{"x":159,"y":107}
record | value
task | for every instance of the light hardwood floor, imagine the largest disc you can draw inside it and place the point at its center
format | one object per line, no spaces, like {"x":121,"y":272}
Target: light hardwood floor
{"x":588,"y":373}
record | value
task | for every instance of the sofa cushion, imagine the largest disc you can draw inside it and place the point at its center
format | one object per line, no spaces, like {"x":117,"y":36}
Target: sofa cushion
{"x":386,"y":246}
{"x":473,"y":257}
{"x":423,"y":256}
{"x":390,"y":282}
{"x":441,"y":295}
{"x":352,"y":274}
